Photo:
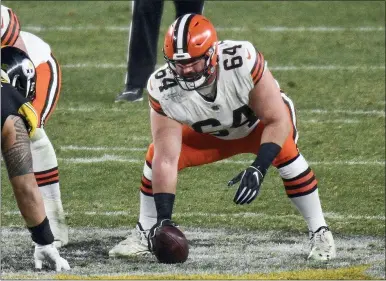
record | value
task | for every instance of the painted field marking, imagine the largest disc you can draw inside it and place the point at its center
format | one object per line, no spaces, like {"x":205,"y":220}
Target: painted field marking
{"x":306,"y":111}
{"x":336,"y":121}
{"x":327,"y":67}
{"x":212,"y":251}
{"x":115,"y":158}
{"x":101,"y":148}
{"x":40,"y":28}
{"x":273,"y":68}
{"x":223,"y":215}
{"x":321,"y":29}
{"x":351,"y":112}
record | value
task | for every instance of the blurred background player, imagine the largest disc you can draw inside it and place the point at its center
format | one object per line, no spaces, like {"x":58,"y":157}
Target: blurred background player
{"x":18,"y":122}
{"x":44,"y":101}
{"x":143,"y":40}
{"x":211,"y":101}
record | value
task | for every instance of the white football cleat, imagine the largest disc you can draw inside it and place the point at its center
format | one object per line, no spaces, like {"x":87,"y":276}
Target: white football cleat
{"x":56,"y":217}
{"x":322,"y":245}
{"x":134,"y":245}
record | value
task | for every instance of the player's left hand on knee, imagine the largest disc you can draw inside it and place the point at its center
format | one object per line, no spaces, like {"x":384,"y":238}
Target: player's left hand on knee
{"x":250,"y":182}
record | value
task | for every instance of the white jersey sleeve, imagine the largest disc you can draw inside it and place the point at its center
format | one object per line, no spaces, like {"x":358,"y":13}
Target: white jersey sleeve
{"x":255,"y":62}
{"x":242,"y":65}
{"x":10,"y":26}
{"x":38,"y":50}
{"x":155,"y":88}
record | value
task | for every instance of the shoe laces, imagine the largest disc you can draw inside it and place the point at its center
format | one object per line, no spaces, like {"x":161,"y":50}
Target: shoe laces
{"x":319,"y":240}
{"x":141,"y":234}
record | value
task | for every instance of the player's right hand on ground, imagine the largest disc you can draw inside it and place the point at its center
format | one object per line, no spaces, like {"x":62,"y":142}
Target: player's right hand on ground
{"x":48,"y":253}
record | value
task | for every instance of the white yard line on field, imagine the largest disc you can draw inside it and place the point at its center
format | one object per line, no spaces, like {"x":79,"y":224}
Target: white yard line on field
{"x":307,"y":111}
{"x":336,"y":121}
{"x":321,"y":29}
{"x":101,"y":148}
{"x":116,"y":158}
{"x":94,"y":65}
{"x":350,"y":112}
{"x":202,"y":214}
{"x":75,"y":28}
{"x":273,"y":68}
{"x":327,"y":67}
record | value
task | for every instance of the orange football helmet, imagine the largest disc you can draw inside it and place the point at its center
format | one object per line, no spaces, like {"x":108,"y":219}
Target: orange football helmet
{"x":10,"y":27}
{"x":190,"y":38}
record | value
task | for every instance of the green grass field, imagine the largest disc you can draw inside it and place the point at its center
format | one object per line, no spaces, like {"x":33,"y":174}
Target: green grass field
{"x":329,"y":57}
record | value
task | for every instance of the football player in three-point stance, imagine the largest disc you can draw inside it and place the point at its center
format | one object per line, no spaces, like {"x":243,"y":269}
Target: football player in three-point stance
{"x":44,"y":101}
{"x":212,"y":100}
{"x":18,"y":123}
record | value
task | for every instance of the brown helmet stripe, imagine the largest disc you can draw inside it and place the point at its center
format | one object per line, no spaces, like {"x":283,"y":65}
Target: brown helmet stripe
{"x":180,"y":34}
{"x":175,"y":34}
{"x":185,"y":34}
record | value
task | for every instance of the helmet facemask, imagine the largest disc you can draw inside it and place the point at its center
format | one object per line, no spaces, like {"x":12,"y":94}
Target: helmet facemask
{"x":26,"y":87}
{"x":197,"y":79}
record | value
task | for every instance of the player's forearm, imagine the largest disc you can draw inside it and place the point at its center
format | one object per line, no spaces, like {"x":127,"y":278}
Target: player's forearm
{"x":31,"y":206}
{"x":29,"y":199}
{"x":276,"y":131}
{"x":17,"y":156}
{"x":273,"y":138}
{"x":18,"y":159}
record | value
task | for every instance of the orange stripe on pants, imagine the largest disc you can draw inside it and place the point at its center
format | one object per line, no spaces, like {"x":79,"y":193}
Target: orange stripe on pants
{"x":46,"y":90}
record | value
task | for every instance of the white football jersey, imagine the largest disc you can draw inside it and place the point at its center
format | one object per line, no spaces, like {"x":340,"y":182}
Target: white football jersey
{"x":38,"y":50}
{"x":240,"y":68}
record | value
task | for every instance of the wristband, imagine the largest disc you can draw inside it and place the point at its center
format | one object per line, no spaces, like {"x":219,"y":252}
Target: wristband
{"x":267,"y":153}
{"x":42,"y":234}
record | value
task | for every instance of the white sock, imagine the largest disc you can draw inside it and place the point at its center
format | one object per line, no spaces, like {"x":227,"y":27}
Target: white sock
{"x":148,"y":212}
{"x":54,"y":209}
{"x":44,"y":159}
{"x":310,"y":208}
{"x":51,"y":191}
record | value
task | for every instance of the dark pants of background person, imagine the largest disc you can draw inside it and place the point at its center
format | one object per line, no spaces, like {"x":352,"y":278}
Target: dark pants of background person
{"x":143,"y":40}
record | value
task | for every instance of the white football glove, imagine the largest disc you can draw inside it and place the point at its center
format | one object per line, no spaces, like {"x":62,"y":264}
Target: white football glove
{"x":50,"y":254}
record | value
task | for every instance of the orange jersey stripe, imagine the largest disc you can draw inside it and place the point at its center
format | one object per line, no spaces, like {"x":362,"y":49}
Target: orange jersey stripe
{"x":302,"y":189}
{"x":258,"y":68}
{"x":146,"y":181}
{"x":12,"y":33}
{"x":56,"y":172}
{"x":156,"y":105}
{"x":146,"y":190}
{"x":301,"y":180}
{"x":260,"y":71}
{"x":48,"y":180}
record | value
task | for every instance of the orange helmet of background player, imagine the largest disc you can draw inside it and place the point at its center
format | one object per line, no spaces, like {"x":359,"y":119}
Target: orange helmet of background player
{"x":10,"y":27}
{"x":191,"y":37}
